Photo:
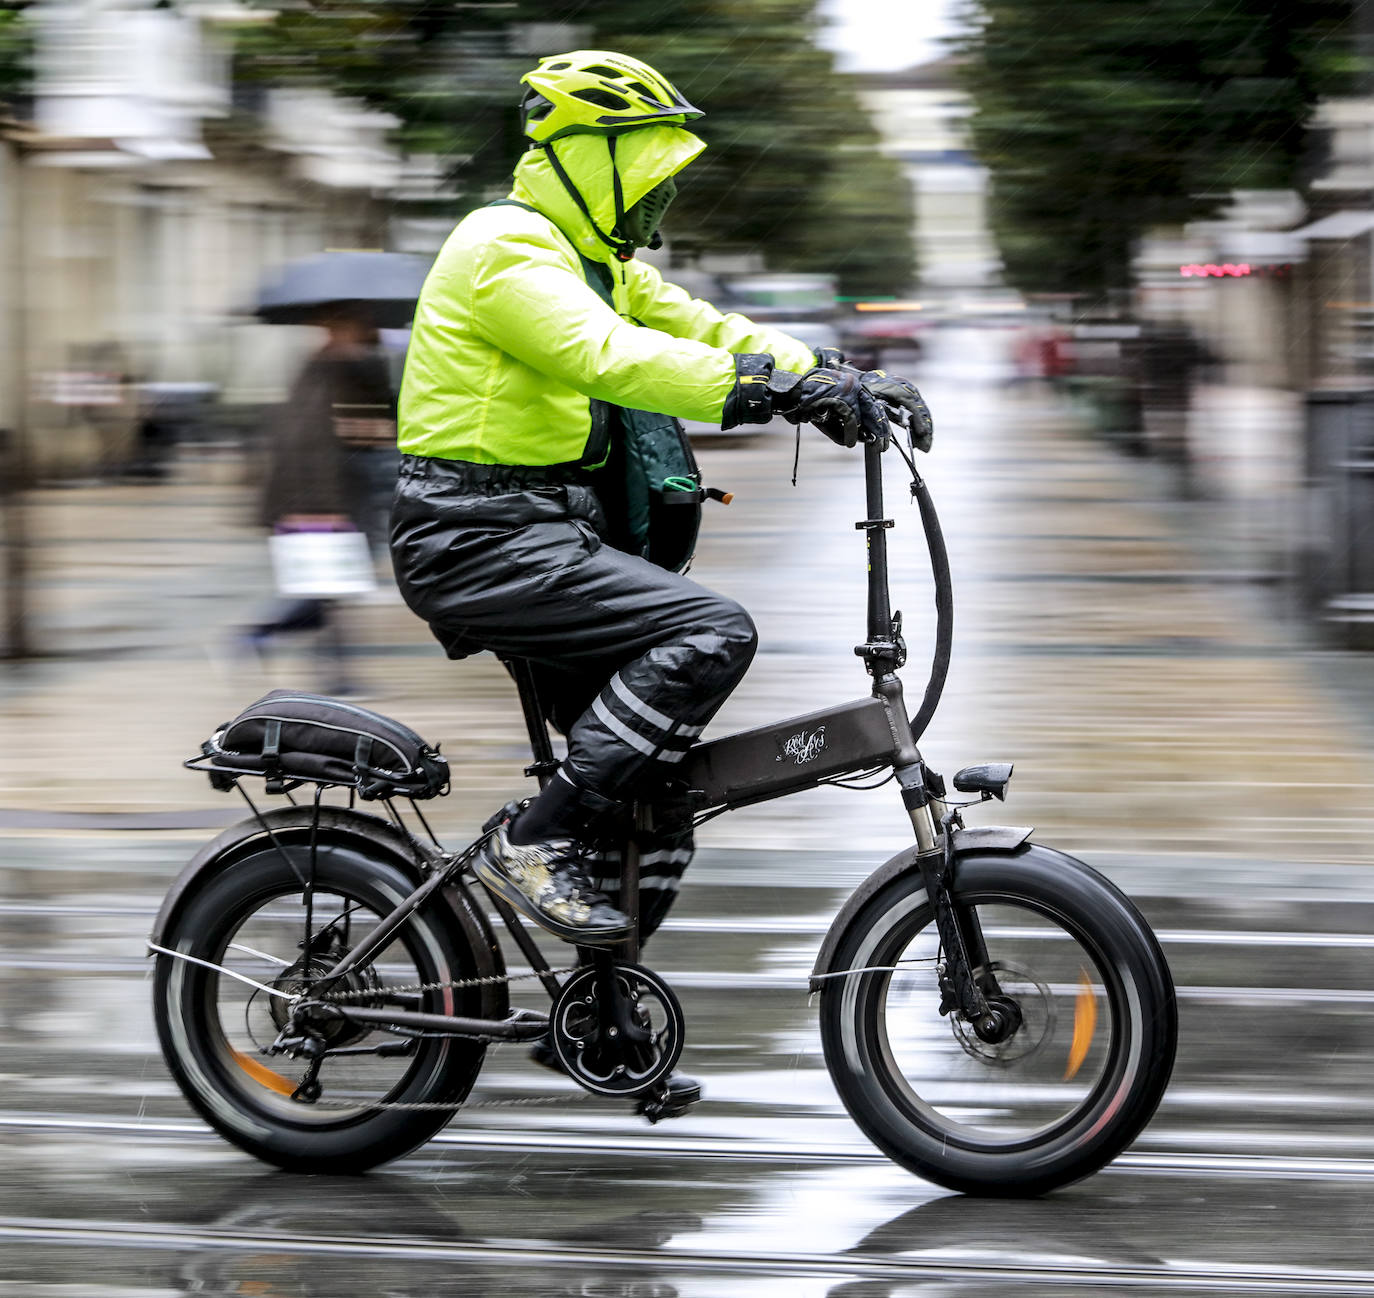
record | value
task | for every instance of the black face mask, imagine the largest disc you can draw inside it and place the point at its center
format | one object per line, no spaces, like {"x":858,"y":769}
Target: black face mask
{"x":639,"y":226}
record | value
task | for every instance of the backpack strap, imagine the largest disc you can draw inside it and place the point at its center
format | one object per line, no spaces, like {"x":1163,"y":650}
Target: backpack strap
{"x":598,"y":277}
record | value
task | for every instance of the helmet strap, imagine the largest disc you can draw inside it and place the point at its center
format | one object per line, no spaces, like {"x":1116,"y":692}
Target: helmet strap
{"x":623,"y":249}
{"x":619,"y":225}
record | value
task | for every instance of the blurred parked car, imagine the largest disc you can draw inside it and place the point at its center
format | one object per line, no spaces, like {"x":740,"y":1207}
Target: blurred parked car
{"x":882,"y":333}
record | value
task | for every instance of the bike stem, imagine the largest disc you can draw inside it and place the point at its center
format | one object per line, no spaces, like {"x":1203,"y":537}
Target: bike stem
{"x":883,"y":651}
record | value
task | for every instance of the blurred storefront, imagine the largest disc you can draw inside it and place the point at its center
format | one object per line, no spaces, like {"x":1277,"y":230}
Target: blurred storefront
{"x":147,"y":214}
{"x":1281,"y":289}
{"x":1237,"y":282}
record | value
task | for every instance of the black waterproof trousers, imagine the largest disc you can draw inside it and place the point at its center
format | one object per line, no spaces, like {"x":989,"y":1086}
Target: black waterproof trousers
{"x":631,"y":660}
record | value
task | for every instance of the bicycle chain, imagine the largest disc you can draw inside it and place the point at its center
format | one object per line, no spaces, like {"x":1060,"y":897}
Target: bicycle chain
{"x":452,"y":1106}
{"x":486,"y":981}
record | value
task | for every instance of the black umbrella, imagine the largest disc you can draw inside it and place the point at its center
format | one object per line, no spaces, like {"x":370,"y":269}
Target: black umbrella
{"x":382,"y":286}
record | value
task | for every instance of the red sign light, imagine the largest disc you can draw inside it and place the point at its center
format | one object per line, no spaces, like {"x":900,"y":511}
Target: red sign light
{"x":1230,"y":269}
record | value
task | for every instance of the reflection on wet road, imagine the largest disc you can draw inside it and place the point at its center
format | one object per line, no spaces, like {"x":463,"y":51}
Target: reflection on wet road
{"x":1256,"y":1176}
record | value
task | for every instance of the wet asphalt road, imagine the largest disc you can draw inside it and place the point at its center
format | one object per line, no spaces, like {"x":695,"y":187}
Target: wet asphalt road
{"x":1256,"y":1176}
{"x":1163,"y":725}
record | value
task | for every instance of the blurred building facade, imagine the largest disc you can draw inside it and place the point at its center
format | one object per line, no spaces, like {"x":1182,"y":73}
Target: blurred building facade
{"x":141,"y":213}
{"x":1281,"y":287}
{"x":922,"y":114}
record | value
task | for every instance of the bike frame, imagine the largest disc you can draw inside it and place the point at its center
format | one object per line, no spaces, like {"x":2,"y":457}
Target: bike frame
{"x":862,"y":736}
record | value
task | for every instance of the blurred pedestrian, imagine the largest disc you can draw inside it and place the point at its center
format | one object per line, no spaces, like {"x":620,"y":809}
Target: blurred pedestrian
{"x":1170,"y":357}
{"x":327,"y":449}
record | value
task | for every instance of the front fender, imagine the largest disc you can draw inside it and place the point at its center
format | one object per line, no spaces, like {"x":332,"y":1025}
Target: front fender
{"x":364,"y":832}
{"x":983,"y":838}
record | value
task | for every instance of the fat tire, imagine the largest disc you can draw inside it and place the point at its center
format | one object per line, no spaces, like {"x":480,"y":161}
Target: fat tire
{"x":1104,"y":921}
{"x":443,"y":1069}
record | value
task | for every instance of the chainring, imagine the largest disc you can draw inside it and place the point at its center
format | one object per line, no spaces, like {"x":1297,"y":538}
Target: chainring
{"x":625,"y":1048}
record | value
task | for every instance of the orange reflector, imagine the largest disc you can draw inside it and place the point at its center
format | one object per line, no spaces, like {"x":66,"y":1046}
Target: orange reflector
{"x":1084,"y":1024}
{"x":262,"y":1075}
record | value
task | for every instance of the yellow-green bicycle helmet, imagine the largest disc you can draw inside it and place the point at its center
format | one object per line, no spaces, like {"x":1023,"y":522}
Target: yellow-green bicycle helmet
{"x":597,"y":92}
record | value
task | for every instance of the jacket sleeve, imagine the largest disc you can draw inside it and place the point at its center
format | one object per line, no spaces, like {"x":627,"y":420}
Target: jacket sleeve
{"x":530,"y":302}
{"x":665,"y":306}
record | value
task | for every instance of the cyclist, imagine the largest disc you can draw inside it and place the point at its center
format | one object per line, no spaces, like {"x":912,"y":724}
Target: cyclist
{"x":536,"y":326}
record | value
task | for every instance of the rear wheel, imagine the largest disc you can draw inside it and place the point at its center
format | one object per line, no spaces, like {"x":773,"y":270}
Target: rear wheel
{"x":251,"y":919}
{"x":1084,"y":1039}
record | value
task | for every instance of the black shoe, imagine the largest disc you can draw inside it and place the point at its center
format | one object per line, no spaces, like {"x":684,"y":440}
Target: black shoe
{"x":674,"y":1097}
{"x":547,"y":882}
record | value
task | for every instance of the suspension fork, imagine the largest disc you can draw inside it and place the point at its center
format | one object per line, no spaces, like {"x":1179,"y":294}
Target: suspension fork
{"x":961,"y":935}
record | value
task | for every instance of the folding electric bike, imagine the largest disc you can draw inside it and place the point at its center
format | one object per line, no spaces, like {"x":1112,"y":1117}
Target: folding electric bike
{"x":997,"y":1017}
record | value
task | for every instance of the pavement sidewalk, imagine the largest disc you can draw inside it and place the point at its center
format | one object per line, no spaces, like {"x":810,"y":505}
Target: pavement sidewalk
{"x":1153,"y":700}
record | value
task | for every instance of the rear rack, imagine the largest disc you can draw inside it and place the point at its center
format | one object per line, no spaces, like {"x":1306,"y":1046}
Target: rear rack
{"x":226,"y":779}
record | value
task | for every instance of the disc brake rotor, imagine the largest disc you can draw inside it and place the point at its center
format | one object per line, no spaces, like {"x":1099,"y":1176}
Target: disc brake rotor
{"x":622,"y":1048}
{"x":1037,"y":1013}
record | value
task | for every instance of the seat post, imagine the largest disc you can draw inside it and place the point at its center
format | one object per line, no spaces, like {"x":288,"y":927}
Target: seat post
{"x":536,"y":723}
{"x":629,"y":879}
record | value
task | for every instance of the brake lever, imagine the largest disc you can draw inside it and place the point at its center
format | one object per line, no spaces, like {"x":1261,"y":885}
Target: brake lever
{"x":898,"y":415}
{"x":894,"y":414}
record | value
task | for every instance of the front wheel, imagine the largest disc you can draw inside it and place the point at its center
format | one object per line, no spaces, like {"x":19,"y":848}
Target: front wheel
{"x":1082,"y":980}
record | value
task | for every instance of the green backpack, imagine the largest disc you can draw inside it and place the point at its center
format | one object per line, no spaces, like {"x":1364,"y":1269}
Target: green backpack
{"x":650,"y":484}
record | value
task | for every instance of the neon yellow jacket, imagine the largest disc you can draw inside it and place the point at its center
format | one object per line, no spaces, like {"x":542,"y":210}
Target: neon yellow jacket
{"x":510,"y":341}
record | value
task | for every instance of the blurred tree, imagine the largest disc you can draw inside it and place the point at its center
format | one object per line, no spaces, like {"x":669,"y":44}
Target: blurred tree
{"x":441,"y":67}
{"x":1100,"y":118}
{"x":793,"y":169}
{"x":16,"y":51}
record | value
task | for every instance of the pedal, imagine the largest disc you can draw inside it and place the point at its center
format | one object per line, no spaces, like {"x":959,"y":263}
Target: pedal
{"x":668,"y":1102}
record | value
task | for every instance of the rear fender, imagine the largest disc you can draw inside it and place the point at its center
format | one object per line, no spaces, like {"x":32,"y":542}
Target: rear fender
{"x":983,"y":838}
{"x":363,"y":832}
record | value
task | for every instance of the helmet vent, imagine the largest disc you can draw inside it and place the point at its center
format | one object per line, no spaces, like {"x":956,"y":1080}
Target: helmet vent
{"x":601,"y":70}
{"x":536,"y":107}
{"x":602,"y":99}
{"x":558,"y":67}
{"x":642,"y":89}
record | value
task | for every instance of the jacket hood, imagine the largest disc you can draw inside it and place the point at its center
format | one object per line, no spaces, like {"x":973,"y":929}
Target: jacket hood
{"x":643,"y":157}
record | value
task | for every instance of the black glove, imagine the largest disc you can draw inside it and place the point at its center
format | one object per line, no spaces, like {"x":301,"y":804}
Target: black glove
{"x":902,"y":394}
{"x":835,"y":401}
